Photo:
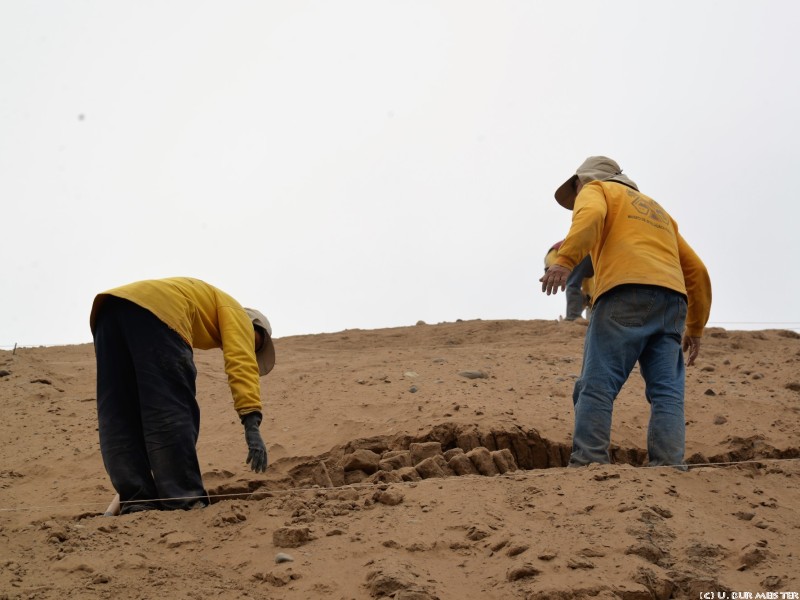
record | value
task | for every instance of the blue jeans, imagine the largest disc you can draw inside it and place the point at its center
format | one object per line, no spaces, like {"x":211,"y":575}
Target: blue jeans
{"x":632,"y":323}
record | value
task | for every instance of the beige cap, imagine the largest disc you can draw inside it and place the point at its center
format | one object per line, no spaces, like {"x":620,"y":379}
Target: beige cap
{"x":594,"y":168}
{"x":266,"y":355}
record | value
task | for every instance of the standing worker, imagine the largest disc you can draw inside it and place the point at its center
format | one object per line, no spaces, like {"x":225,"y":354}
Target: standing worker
{"x":147,"y":411}
{"x":580,"y":284}
{"x":652,"y":299}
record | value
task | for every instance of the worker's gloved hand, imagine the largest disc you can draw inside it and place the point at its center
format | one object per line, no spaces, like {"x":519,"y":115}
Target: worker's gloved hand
{"x":257,"y":450}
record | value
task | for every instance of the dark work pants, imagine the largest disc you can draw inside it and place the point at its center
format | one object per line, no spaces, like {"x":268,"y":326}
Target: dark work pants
{"x":146,"y":408}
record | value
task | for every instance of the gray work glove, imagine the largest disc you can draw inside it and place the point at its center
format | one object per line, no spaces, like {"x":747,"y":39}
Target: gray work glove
{"x":257,"y":450}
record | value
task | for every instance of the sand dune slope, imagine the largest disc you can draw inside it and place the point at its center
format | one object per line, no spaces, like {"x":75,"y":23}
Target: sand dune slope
{"x":417,"y":463}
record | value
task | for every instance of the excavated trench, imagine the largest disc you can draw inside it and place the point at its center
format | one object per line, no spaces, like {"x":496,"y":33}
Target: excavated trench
{"x":450,"y":450}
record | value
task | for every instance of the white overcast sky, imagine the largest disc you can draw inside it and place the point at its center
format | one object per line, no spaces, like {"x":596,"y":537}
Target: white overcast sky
{"x":342,"y":164}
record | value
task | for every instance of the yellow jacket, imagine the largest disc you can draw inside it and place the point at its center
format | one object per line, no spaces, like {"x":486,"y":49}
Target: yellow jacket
{"x":633,"y":240}
{"x":205,"y":317}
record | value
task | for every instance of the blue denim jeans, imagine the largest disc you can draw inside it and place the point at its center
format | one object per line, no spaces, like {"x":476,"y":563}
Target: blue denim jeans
{"x":632,"y":323}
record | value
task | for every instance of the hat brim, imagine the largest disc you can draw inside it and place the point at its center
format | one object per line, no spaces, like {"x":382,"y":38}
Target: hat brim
{"x":266,"y":356}
{"x":565,"y":194}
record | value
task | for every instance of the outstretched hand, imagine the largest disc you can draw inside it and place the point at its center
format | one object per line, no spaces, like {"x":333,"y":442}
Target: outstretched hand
{"x":256,"y":449}
{"x":555,"y":277}
{"x":691,"y":346}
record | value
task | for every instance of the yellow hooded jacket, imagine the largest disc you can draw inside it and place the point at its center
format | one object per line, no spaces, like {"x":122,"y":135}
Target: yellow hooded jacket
{"x":205,"y":317}
{"x":632,"y":239}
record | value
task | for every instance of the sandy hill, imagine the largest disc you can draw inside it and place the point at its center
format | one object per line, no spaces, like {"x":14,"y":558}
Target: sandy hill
{"x":416,"y":463}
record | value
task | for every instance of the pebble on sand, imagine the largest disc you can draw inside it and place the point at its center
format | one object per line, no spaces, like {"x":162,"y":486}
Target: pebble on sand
{"x":473,"y":374}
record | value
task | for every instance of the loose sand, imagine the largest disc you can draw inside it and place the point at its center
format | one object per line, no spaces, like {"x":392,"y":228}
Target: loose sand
{"x":354,"y":419}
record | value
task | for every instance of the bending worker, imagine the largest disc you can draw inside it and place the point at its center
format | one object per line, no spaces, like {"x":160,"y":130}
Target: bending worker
{"x":148,"y":415}
{"x":580,"y":284}
{"x":652,"y":298}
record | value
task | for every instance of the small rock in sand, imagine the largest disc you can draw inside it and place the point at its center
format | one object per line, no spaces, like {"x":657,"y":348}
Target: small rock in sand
{"x":388,"y":497}
{"x":522,"y":572}
{"x":473,"y":374}
{"x":291,"y":537}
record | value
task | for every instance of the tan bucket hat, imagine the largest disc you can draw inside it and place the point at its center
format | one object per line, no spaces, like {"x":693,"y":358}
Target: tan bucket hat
{"x":594,"y":168}
{"x":266,"y":355}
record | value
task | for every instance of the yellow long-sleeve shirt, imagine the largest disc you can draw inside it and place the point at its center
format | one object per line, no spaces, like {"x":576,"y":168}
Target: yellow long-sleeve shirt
{"x":205,"y":317}
{"x":632,"y":239}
